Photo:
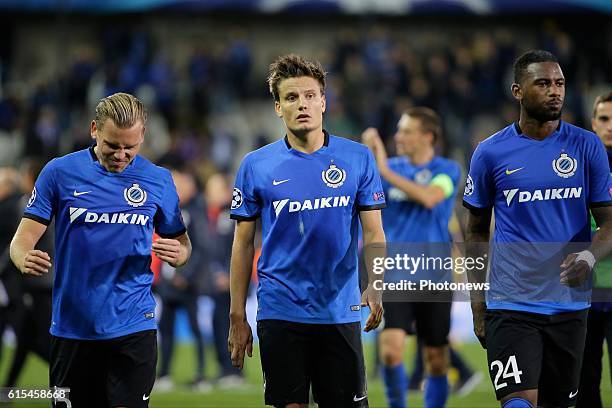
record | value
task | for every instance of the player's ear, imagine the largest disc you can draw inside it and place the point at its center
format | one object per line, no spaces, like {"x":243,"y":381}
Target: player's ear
{"x":93,"y":130}
{"x":277,"y":109}
{"x":516,"y":90}
{"x":593,"y":125}
{"x":323,"y":102}
{"x":430,"y":138}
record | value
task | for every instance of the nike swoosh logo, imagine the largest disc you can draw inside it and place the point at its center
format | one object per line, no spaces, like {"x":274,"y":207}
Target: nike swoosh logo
{"x":509,"y":172}
{"x":145,"y":397}
{"x":573,"y":394}
{"x":357,"y":399}
{"x":80,"y":193}
{"x":276,"y":183}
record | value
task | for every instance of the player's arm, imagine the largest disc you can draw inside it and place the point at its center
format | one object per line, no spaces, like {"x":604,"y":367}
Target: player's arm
{"x":175,"y":251}
{"x":240,"y":339}
{"x":374,"y":246}
{"x":576,"y":268}
{"x":27,"y":259}
{"x":477,"y":236}
{"x":428,"y":196}
{"x":602,"y":241}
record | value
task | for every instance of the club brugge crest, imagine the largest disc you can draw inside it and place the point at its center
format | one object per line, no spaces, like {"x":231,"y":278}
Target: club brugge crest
{"x":135,"y":196}
{"x":423,"y":177}
{"x":334,"y":176}
{"x":565,"y":166}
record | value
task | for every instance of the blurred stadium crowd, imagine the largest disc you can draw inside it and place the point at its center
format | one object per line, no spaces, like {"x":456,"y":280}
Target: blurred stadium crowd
{"x":205,"y":93}
{"x":208,"y":103}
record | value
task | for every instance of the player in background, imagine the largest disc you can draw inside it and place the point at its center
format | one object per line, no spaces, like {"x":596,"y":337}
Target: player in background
{"x":32,"y":335}
{"x":539,"y":175}
{"x":420,"y":188}
{"x":179,"y":288}
{"x":106,"y":201}
{"x":467,"y":379}
{"x":310,"y":190}
{"x":218,"y":194}
{"x":599,"y":322}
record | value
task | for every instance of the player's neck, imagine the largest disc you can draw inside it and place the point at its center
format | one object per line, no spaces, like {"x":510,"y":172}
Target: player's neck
{"x":97,"y":153}
{"x":423,"y":156}
{"x":537,"y":130}
{"x":308,"y":142}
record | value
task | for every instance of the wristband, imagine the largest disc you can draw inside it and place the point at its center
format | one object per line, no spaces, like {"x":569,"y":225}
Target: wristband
{"x":586,"y":256}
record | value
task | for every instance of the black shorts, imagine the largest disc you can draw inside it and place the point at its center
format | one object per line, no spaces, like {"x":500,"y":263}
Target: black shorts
{"x":105,"y":373}
{"x":328,"y":356}
{"x":430,"y":320}
{"x":528,"y":351}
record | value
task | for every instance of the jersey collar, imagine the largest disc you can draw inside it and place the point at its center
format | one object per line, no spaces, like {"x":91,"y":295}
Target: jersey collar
{"x":422,"y":165}
{"x":325,"y":140}
{"x":519,"y":132}
{"x":93,"y":153}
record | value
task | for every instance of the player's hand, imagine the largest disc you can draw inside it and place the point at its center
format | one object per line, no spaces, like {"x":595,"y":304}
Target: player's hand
{"x":373,"y":299}
{"x":478,"y":312}
{"x":35,"y":263}
{"x":371,"y":138}
{"x":574,"y":273}
{"x":239,"y":340}
{"x":168,"y":250}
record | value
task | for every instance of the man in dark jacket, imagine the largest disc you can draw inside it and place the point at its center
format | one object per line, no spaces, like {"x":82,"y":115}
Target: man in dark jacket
{"x":29,"y":309}
{"x":599,"y":323}
{"x":220,"y":235}
{"x":180,"y":287}
{"x":11,"y":302}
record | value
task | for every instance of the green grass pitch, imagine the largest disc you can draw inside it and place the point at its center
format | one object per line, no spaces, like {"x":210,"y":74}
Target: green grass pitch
{"x":251,"y":394}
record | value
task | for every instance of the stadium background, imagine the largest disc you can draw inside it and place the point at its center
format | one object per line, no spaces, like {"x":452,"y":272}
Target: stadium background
{"x":200,"y":67}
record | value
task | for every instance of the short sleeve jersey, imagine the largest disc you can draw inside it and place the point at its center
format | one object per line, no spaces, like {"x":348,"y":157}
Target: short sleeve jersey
{"x":405,"y":220}
{"x":541,"y":192}
{"x":309,"y":206}
{"x":104,"y":225}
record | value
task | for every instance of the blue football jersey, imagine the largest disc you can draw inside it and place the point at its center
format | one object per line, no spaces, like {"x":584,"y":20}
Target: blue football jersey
{"x":405,"y":220}
{"x":541,"y":192}
{"x":309,"y":206}
{"x":104,"y":226}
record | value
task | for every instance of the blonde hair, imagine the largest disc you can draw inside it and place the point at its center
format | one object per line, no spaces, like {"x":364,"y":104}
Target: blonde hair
{"x":123,"y":109}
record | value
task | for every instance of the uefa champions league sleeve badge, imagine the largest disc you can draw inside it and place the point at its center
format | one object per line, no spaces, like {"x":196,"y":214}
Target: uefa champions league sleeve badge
{"x":236,"y":198}
{"x":32,"y":198}
{"x":469,"y":186}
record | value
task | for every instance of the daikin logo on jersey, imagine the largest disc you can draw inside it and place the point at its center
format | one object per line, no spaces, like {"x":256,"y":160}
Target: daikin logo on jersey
{"x":315,"y":204}
{"x":542,"y":195}
{"x":106,"y":218}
